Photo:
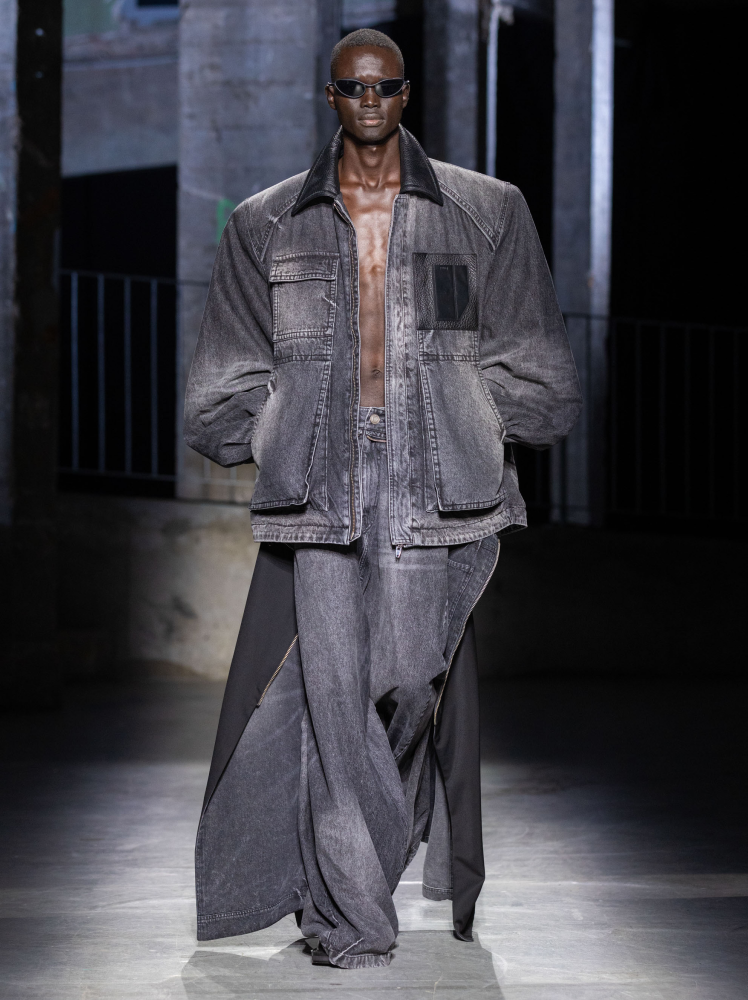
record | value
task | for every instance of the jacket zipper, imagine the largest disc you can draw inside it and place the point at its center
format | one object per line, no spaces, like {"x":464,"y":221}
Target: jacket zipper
{"x":464,"y":626}
{"x":352,"y":428}
{"x":277,"y":670}
{"x":389,"y":422}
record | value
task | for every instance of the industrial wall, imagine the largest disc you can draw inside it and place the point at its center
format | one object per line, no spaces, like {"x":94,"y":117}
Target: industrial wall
{"x":151,"y":586}
{"x":119,"y":87}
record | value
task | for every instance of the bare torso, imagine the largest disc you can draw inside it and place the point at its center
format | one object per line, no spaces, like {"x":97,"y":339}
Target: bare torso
{"x":370,"y":209}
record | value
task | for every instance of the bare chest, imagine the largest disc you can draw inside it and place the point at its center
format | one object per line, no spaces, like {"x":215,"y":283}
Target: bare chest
{"x":371,"y":216}
{"x":372,"y":225}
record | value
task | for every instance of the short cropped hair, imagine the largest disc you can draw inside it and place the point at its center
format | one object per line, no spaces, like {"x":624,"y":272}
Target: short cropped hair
{"x":365,"y":36}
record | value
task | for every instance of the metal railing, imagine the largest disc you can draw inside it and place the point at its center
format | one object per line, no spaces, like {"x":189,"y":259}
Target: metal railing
{"x":676,"y":421}
{"x":659,"y":439}
{"x":118,"y":380}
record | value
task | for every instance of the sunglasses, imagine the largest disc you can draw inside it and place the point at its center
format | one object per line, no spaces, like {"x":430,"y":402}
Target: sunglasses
{"x":355,"y":88}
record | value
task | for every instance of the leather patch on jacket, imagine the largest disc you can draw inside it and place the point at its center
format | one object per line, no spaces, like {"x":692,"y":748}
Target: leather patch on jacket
{"x":446,"y":292}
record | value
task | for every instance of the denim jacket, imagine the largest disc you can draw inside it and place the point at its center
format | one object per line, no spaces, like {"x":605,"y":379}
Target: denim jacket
{"x":476,"y":355}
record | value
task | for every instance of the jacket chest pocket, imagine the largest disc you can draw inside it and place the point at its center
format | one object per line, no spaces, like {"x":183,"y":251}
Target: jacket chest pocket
{"x":304,"y":288}
{"x":289,"y":443}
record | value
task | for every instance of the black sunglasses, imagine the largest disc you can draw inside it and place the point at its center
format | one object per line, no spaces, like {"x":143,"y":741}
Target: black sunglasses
{"x":355,"y":88}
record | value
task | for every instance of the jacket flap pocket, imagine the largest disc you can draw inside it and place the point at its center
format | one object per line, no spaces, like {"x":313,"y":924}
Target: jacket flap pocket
{"x":304,"y":267}
{"x":304,"y":291}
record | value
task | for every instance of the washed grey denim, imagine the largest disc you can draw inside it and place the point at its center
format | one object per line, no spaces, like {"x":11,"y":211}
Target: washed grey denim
{"x":476,"y":356}
{"x":372,"y":633}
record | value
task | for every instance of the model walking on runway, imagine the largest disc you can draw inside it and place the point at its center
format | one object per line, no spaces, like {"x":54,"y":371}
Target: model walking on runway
{"x":379,"y":331}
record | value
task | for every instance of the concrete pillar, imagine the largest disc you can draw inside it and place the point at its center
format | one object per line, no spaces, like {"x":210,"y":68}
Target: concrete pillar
{"x":450,"y":81}
{"x":583,"y":170}
{"x":30,"y":87}
{"x":247,"y":74}
{"x":8,"y":171}
{"x":329,"y":23}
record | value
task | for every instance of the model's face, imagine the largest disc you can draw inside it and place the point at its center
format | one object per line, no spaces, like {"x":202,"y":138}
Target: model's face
{"x":369,"y":119}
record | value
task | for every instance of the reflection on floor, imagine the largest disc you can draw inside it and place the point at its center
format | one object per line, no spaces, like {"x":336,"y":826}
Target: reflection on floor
{"x":615,"y":834}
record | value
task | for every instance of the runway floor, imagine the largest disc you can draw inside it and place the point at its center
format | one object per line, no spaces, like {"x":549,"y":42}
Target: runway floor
{"x":615,"y":834}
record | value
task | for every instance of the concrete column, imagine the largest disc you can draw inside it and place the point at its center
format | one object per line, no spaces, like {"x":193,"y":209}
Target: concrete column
{"x":247,"y":74}
{"x":450,"y":81}
{"x":583,"y":170}
{"x":8,"y":177}
{"x":30,"y":86}
{"x":329,"y":23}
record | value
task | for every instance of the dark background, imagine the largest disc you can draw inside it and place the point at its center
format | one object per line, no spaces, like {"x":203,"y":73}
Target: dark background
{"x":123,"y":222}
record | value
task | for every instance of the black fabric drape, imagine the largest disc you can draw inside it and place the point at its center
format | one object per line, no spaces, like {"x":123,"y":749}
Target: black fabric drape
{"x":457,"y":745}
{"x":267,"y":630}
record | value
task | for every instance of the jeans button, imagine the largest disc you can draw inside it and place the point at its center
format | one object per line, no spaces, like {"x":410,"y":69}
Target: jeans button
{"x":374,"y":418}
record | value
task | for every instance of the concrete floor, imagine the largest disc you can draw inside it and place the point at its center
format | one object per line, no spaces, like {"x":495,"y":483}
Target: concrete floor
{"x":615,"y":834}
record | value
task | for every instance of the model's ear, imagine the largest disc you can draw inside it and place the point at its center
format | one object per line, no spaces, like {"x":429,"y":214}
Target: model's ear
{"x":330,"y":93}
{"x":406,"y":94}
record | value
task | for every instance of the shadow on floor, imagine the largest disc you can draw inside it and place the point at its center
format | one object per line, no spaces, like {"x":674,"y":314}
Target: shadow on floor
{"x":425,"y":963}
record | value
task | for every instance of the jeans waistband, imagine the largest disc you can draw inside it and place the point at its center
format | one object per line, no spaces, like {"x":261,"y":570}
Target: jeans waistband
{"x":371,"y":422}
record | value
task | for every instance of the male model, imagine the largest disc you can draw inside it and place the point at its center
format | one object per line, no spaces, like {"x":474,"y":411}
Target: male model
{"x":378,"y":331}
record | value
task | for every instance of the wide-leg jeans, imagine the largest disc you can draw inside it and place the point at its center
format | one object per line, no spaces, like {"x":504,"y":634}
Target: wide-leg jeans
{"x":372,"y":623}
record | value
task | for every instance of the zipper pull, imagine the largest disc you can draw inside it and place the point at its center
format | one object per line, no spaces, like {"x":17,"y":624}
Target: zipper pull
{"x":398,"y":551}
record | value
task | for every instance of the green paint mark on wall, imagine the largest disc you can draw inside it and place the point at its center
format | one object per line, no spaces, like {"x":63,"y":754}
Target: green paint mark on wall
{"x":224,"y":208}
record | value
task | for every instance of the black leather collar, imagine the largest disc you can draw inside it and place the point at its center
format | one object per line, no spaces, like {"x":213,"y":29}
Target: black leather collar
{"x":416,"y":173}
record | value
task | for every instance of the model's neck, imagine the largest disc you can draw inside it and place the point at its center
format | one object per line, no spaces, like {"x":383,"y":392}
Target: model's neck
{"x":371,"y":166}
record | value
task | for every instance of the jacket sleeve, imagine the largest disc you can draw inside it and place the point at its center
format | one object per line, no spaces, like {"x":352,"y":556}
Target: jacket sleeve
{"x":525,"y":354}
{"x":227,"y":384}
